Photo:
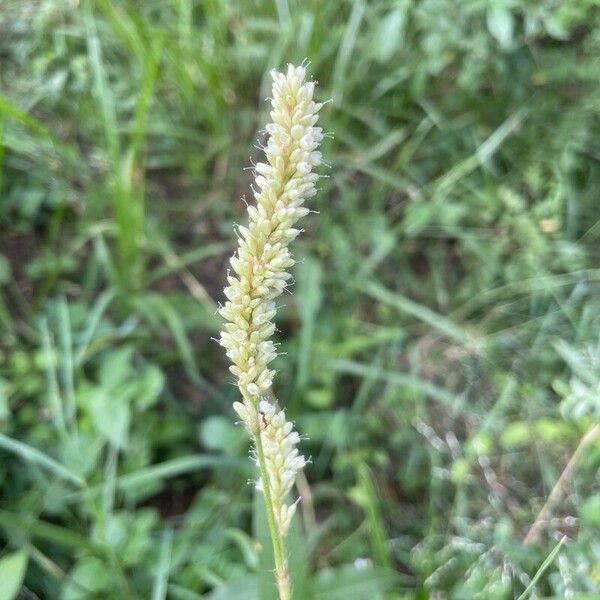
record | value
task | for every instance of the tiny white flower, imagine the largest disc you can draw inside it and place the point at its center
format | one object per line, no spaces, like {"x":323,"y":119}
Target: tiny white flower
{"x":282,"y":458}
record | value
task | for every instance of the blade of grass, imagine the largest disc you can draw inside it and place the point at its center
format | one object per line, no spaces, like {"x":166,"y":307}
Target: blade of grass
{"x":166,"y":470}
{"x":369,"y":500}
{"x":33,"y":455}
{"x":93,"y":320}
{"x":66,"y":343}
{"x":483,"y":153}
{"x":12,"y":572}
{"x":178,"y":466}
{"x":56,"y":406}
{"x":185,"y":24}
{"x":399,"y":379}
{"x":414,"y":309}
{"x":309,"y":277}
{"x":8,"y":109}
{"x":182,"y":260}
{"x":543,"y":568}
{"x":124,"y":27}
{"x":133,"y":165}
{"x":161,"y":578}
{"x":48,"y":531}
{"x":101,"y":89}
{"x":125,"y":204}
{"x":2,"y":124}
{"x":154,"y":305}
{"x":346,"y":49}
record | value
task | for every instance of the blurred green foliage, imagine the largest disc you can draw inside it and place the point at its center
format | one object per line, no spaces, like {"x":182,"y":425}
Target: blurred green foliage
{"x":440,"y":351}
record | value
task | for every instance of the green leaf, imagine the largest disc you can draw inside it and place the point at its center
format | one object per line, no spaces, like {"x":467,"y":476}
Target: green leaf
{"x":4,"y":407}
{"x":28,"y":526}
{"x":4,"y":269}
{"x":410,"y":382}
{"x":12,"y":573}
{"x":149,"y":385}
{"x":116,"y":367}
{"x":547,"y":562}
{"x":368,"y":497}
{"x":111,"y":417}
{"x":309,"y":275}
{"x":419,"y":311}
{"x":351,"y":582}
{"x":265,"y":579}
{"x":33,"y":455}
{"x":161,"y":576}
{"x":246,"y":588}
{"x":246,"y":545}
{"x":501,"y":23}
{"x":89,"y":578}
{"x":515,"y":434}
{"x":590,"y":511}
{"x":176,"y":466}
{"x":390,"y":33}
{"x":152,"y":477}
{"x":219,"y":433}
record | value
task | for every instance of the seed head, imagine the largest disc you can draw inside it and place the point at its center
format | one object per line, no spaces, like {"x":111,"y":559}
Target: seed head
{"x":260,"y":274}
{"x":260,"y":265}
{"x":283,"y":461}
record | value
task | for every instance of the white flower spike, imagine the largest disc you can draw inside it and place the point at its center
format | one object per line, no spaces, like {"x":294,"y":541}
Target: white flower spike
{"x":260,"y":274}
{"x":260,"y":264}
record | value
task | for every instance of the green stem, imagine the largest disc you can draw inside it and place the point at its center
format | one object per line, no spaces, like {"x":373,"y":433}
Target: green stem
{"x":282,"y":575}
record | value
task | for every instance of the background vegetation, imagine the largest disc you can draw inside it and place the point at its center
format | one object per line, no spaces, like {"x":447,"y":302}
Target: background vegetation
{"x":441,"y":351}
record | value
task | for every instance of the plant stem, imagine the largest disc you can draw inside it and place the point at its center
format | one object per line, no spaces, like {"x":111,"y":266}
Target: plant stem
{"x":560,"y":486}
{"x":281,"y":570}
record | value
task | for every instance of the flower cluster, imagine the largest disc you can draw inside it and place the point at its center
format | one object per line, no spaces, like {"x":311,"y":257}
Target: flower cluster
{"x":260,"y":265}
{"x":283,"y":461}
{"x":260,"y":274}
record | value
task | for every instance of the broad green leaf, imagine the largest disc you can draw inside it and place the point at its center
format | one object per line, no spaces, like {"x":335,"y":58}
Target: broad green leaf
{"x":116,"y":367}
{"x":500,"y":22}
{"x":220,"y":433}
{"x":149,"y":385}
{"x":12,"y":572}
{"x":111,"y":416}
{"x":390,"y":33}
{"x":91,"y":577}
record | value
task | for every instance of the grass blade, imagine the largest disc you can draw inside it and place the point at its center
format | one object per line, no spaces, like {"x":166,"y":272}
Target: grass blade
{"x":346,"y":49}
{"x":368,"y":498}
{"x":49,"y":532}
{"x":414,"y":309}
{"x":51,"y":380}
{"x":161,"y":580}
{"x":409,"y":381}
{"x":30,"y":454}
{"x":547,"y":562}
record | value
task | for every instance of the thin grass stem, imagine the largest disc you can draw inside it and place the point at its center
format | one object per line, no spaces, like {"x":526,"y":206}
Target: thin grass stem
{"x":279,"y":555}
